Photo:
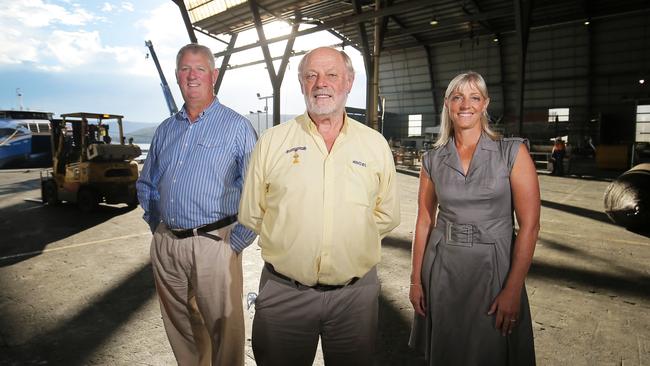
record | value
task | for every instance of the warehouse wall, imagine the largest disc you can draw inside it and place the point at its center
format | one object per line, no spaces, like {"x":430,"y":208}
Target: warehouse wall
{"x":593,"y":70}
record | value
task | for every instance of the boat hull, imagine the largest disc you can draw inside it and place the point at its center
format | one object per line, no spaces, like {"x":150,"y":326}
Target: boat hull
{"x":15,"y":151}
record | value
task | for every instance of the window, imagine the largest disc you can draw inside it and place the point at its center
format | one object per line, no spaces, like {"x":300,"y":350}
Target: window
{"x":415,"y":125}
{"x":642,"y":123}
{"x":558,"y":115}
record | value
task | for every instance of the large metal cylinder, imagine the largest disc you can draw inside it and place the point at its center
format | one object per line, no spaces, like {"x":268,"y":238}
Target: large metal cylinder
{"x":627,"y":199}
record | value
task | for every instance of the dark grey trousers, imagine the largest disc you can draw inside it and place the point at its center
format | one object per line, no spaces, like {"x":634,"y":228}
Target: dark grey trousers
{"x":290,"y":318}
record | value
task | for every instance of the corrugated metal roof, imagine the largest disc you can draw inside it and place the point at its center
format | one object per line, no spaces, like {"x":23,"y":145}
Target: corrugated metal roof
{"x":408,"y":22}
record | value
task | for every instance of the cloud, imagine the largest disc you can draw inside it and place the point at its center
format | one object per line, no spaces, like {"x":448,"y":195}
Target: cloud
{"x":47,"y":68}
{"x":127,"y":6}
{"x":82,"y":50}
{"x":107,"y":7}
{"x":74,"y":48}
{"x":17,"y":47}
{"x":164,"y":25}
{"x":60,"y":43}
{"x":37,"y":14}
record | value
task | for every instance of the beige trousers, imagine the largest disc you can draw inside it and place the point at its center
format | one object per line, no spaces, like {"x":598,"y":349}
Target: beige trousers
{"x":199,"y":284}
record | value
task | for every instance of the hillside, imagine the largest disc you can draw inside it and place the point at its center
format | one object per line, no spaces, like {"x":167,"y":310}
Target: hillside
{"x":144,"y":131}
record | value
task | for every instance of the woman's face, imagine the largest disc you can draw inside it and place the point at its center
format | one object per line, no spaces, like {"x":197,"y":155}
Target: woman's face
{"x":466,"y":106}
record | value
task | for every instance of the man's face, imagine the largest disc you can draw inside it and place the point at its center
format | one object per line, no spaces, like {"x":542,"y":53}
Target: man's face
{"x":325,"y":82}
{"x":195,"y":78}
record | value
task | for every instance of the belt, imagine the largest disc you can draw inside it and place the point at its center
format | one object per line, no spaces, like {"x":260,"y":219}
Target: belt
{"x":468,"y":235}
{"x":205,"y":229}
{"x":317,"y":286}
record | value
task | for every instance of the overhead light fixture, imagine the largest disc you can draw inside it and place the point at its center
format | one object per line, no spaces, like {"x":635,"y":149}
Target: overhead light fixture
{"x":495,"y":39}
{"x":588,"y":21}
{"x":641,"y":81}
{"x":434,"y":21}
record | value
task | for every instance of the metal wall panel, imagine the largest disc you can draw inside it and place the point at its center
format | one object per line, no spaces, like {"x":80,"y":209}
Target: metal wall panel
{"x":590,"y":69}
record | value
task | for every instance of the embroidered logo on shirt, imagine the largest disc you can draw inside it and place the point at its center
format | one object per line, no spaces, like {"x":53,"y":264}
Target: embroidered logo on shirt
{"x":359,"y":163}
{"x":296,"y":157}
{"x":297,"y":148}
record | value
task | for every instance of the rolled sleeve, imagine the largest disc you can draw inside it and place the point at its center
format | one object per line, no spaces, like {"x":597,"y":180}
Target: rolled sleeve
{"x":240,"y":238}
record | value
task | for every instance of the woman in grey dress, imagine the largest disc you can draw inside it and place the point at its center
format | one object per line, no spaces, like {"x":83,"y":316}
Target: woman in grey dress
{"x":467,"y":279}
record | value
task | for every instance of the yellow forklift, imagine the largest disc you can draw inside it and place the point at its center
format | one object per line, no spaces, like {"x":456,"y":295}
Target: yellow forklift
{"x":87,"y":166}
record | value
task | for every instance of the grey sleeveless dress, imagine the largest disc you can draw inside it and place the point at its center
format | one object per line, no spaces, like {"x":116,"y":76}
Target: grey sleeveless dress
{"x":467,"y":260}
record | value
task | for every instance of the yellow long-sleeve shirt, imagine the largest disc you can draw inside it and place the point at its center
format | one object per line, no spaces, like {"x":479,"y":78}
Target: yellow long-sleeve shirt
{"x":320,"y":216}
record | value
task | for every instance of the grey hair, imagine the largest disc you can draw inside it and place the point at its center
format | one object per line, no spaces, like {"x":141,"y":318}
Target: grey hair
{"x":346,"y":59}
{"x":459,"y":82}
{"x":195,"y":48}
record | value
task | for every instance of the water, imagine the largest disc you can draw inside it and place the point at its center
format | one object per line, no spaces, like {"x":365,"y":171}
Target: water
{"x":145,"y":149}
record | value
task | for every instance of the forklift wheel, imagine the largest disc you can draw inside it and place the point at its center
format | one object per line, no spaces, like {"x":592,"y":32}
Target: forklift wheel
{"x":87,"y":200}
{"x":50,"y":195}
{"x":133,"y":203}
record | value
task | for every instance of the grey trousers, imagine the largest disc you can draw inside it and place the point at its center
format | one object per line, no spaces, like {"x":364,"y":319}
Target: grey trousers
{"x":199,"y":284}
{"x":290,"y":318}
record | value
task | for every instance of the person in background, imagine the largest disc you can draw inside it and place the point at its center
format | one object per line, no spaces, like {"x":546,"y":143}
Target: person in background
{"x":189,"y":188}
{"x":467,"y":279}
{"x":321,"y":193}
{"x":557,"y":156}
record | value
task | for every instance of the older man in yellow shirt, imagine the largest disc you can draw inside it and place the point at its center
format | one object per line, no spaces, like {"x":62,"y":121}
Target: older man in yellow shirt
{"x":321,"y":193}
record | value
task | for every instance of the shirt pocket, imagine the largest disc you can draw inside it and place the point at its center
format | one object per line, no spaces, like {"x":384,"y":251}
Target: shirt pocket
{"x":213,"y":147}
{"x":361,"y":184}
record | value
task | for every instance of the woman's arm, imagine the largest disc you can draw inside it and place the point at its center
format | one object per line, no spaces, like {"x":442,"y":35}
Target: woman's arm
{"x":525,"y":193}
{"x":427,"y":204}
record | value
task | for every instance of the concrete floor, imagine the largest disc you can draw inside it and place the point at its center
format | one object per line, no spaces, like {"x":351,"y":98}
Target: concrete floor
{"x":77,"y":289}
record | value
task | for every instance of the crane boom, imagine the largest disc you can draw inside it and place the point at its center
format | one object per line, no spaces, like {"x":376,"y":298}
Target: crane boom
{"x":171,"y":104}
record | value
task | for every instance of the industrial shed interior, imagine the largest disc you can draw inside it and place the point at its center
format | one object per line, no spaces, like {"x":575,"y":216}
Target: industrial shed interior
{"x":570,"y":69}
{"x":78,"y":288}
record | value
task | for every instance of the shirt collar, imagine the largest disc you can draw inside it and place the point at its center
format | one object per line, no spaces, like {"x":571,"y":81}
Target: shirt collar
{"x":484,"y":143}
{"x":182,"y":114}
{"x":308,"y":124}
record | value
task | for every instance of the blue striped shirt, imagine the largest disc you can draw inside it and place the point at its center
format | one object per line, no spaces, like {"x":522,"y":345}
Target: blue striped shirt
{"x":194,"y":172}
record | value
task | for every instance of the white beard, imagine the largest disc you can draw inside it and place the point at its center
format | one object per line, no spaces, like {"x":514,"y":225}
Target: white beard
{"x":332,"y":106}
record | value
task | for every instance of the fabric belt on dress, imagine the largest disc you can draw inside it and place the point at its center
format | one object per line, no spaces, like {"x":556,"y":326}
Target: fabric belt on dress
{"x":205,"y":229}
{"x":469,"y":234}
{"x":317,"y":287}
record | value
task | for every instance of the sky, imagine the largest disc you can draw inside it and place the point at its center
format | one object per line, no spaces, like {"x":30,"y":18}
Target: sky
{"x":67,"y":56}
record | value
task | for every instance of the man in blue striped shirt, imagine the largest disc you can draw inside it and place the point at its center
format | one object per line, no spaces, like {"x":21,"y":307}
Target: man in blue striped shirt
{"x":189,"y":189}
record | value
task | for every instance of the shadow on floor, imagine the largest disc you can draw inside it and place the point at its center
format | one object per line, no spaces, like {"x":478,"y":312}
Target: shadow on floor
{"x":28,"y":227}
{"x":21,"y":186}
{"x":76,"y":339}
{"x":638,"y":286}
{"x":393,"y":337}
{"x":578,"y":211}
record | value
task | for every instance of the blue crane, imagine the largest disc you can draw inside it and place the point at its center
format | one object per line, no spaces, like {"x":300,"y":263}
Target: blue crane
{"x":165,"y":87}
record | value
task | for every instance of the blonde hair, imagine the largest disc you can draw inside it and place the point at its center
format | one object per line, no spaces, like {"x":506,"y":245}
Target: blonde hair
{"x":459,"y":82}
